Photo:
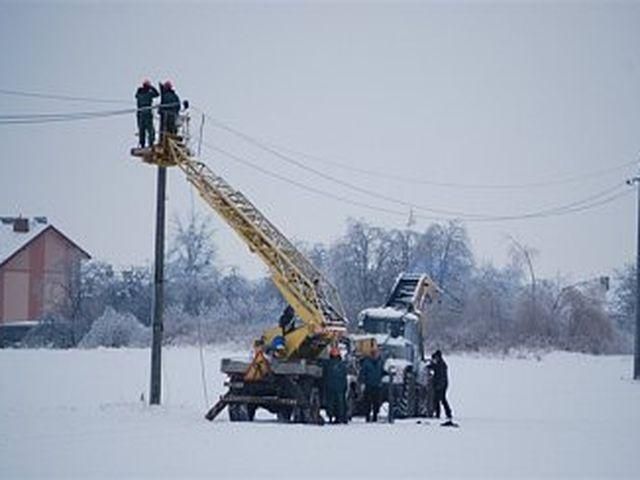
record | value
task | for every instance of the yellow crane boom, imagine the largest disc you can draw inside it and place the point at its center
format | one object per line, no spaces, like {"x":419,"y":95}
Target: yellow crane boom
{"x":314,"y":299}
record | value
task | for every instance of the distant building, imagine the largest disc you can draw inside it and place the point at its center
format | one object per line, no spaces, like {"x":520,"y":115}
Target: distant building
{"x":39,"y":270}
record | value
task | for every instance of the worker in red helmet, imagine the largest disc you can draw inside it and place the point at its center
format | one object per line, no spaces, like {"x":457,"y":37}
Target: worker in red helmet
{"x":335,"y":386}
{"x":169,"y":108}
{"x":144,"y":100}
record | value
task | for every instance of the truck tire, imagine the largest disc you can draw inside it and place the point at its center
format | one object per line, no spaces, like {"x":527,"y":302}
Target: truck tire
{"x":251,"y":410}
{"x":241,"y":412}
{"x":405,"y":404}
{"x":309,"y":413}
{"x":284,"y":414}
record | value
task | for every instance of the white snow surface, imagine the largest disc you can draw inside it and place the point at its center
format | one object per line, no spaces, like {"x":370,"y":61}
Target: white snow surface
{"x":78,"y":413}
{"x":387,"y":313}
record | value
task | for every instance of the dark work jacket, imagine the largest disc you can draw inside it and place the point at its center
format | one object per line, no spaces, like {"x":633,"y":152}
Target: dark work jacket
{"x":440,"y":376}
{"x":335,"y":375}
{"x":145,"y":96}
{"x":169,"y":101}
{"x":371,"y":372}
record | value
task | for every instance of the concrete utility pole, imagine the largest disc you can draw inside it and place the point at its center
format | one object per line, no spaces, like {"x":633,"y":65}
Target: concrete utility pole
{"x":158,"y":297}
{"x":636,"y":352}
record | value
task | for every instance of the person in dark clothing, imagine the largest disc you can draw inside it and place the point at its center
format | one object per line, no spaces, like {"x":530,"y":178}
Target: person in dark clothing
{"x":371,"y":372}
{"x":287,"y":320}
{"x":440,"y":383}
{"x":335,"y":380}
{"x":144,"y":100}
{"x":169,"y":108}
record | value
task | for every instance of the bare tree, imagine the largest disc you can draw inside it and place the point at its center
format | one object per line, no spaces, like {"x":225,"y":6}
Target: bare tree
{"x":191,"y":270}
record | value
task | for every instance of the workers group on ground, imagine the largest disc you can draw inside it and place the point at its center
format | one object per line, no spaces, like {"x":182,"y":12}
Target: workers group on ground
{"x":371,"y":374}
{"x":169,"y":109}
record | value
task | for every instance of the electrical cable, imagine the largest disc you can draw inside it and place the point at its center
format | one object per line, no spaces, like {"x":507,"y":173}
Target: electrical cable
{"x":385,"y":175}
{"x":374,"y":173}
{"x":486,"y":217}
{"x":42,"y":118}
{"x":203,"y":374}
{"x":580,"y":205}
{"x":20,"y":93}
{"x":273,"y":149}
{"x":458,"y":214}
{"x":469,"y":186}
{"x":60,"y":117}
{"x":310,"y":188}
{"x":338,"y":181}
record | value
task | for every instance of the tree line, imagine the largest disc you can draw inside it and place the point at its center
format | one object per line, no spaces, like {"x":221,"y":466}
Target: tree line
{"x":482,"y":306}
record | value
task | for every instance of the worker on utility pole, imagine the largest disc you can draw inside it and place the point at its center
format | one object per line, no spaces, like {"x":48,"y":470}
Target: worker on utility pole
{"x":169,"y":108}
{"x":144,"y":100}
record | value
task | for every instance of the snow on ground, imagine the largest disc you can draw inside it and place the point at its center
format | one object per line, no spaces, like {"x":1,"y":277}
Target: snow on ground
{"x":79,"y":413}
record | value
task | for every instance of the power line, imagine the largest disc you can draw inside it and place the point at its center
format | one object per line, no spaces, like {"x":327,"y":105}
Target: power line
{"x":60,"y":117}
{"x":331,"y":178}
{"x":41,"y":118}
{"x":369,"y":172}
{"x":307,"y":187}
{"x":450,"y":213}
{"x":47,"y":96}
{"x":273,"y":149}
{"x":454,"y":185}
{"x":374,"y":173}
{"x":590,"y":202}
{"x":559,"y":210}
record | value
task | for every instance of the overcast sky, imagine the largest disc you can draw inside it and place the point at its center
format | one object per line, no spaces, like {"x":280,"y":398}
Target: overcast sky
{"x":473,"y":93}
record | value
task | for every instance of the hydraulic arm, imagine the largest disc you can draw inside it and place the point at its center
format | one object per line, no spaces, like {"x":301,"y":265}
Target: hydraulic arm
{"x":313,"y":298}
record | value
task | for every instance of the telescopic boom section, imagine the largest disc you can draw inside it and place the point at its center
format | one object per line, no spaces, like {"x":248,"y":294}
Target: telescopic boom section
{"x":314,"y":299}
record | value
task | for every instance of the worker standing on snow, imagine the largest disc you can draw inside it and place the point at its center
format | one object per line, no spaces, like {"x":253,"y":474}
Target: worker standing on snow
{"x":335,"y":377}
{"x":371,"y":373}
{"x":440,"y":384}
{"x":169,"y":108}
{"x":144,"y":99}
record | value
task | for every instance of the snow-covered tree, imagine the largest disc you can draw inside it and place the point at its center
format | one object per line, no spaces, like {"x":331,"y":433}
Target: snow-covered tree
{"x":191,"y":271}
{"x":116,"y":330}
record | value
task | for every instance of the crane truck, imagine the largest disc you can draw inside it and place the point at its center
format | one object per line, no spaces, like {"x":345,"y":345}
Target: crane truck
{"x":285,"y":374}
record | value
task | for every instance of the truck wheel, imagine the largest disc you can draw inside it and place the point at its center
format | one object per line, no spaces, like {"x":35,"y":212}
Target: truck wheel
{"x":310,"y":412}
{"x":405,"y":404}
{"x":239,"y":412}
{"x":314,"y":407}
{"x":251,"y":410}
{"x":284,"y":414}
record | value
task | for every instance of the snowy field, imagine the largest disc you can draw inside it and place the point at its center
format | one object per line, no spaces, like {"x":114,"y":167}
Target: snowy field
{"x":79,"y":413}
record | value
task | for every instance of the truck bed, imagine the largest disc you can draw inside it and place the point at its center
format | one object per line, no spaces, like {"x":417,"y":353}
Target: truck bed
{"x":290,"y":367}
